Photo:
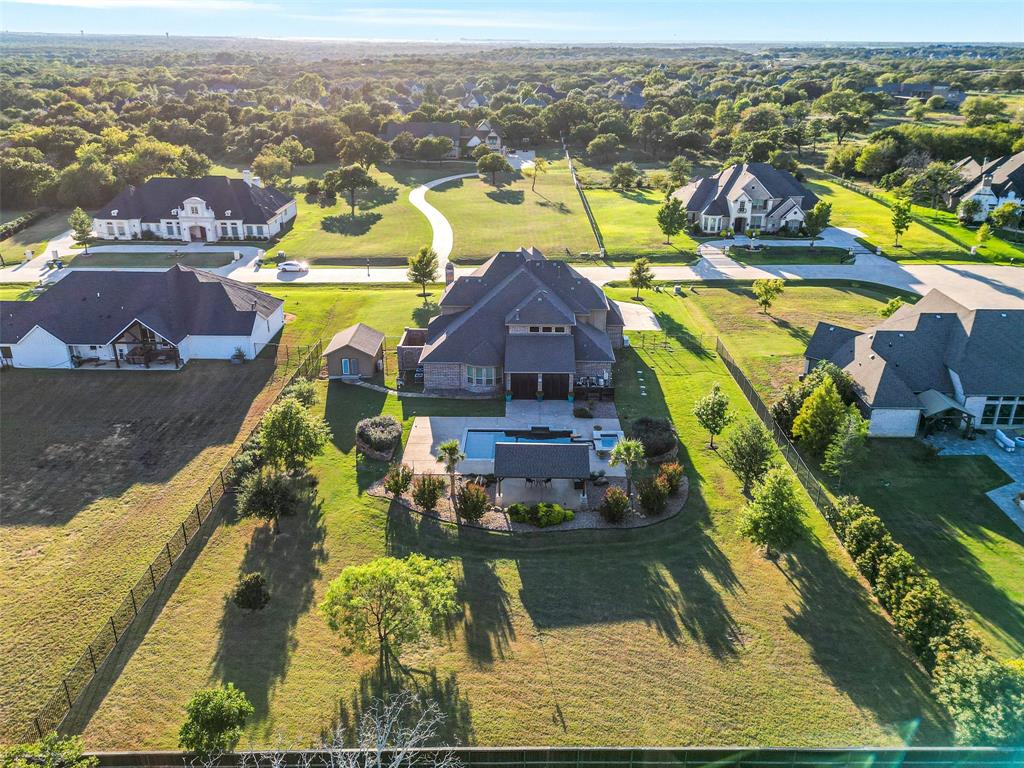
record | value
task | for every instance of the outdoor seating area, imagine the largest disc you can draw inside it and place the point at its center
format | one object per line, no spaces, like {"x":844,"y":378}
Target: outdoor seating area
{"x":593,"y":388}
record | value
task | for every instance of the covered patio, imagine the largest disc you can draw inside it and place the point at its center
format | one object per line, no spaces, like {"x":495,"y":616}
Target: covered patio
{"x":939,"y":411}
{"x":530,"y":473}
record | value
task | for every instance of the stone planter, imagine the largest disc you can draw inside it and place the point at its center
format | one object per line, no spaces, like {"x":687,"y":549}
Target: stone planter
{"x":373,"y":453}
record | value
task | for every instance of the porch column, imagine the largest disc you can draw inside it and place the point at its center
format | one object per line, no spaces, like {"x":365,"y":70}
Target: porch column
{"x":540,"y":386}
{"x":117,"y":362}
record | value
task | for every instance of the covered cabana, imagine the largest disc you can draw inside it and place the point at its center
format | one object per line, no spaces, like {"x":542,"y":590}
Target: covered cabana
{"x":937,"y":407}
{"x":541,"y":464}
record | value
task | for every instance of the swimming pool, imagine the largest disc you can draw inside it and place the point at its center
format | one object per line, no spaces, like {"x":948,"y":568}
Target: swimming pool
{"x":479,"y":443}
{"x":606,"y":440}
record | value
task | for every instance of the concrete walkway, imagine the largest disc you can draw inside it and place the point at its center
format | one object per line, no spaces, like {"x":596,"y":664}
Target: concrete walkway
{"x":444,"y":238}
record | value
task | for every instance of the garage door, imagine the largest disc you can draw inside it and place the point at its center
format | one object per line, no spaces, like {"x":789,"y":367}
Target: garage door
{"x":556,"y":386}
{"x":524,"y":385}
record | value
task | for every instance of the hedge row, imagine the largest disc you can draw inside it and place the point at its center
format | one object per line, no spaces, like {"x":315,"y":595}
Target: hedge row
{"x":16,"y":225}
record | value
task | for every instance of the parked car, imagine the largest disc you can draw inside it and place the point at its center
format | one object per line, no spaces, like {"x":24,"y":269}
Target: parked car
{"x":293,"y":266}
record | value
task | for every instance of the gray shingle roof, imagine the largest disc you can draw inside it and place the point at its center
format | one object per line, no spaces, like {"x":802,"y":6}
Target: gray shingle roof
{"x":568,"y":461}
{"x":1007,"y":174}
{"x":710,"y":194}
{"x":420,"y":129}
{"x":914,"y":350}
{"x":359,"y":337}
{"x":541,"y":306}
{"x":540,"y":353}
{"x":155,"y":199}
{"x":93,"y":307}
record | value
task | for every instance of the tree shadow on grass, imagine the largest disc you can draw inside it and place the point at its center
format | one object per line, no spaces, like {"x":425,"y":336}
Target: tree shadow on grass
{"x":798,"y":333}
{"x":696,"y":345}
{"x":507,"y":196}
{"x":487,"y":618}
{"x":346,"y":405}
{"x":255,"y":647}
{"x":637,"y":197}
{"x":374,"y":197}
{"x":423,"y":313}
{"x":352,"y":226}
{"x":900,"y":697}
{"x":555,"y":205}
{"x":426,"y":685}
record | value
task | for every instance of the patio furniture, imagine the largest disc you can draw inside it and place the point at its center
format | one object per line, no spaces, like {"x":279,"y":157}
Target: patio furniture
{"x":1004,"y":442}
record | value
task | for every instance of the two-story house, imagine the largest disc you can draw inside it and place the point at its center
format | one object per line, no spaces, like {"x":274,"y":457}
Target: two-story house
{"x":744,"y":197}
{"x":207,"y":209}
{"x":990,"y":182}
{"x":520,"y":324}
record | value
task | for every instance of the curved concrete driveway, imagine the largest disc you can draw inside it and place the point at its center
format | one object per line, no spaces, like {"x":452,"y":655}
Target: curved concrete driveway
{"x":444,"y":239}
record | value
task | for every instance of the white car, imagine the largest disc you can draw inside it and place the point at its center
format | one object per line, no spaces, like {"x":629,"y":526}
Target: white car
{"x":293,"y":266}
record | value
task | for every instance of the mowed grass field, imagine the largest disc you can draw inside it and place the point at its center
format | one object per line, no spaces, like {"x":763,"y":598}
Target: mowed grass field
{"x":682,"y":633}
{"x":486,"y":219}
{"x":628,"y":222}
{"x":936,"y":507}
{"x":206,"y":259}
{"x":951,"y":244}
{"x":99,"y":467}
{"x":387,"y":229}
{"x":35,"y":236}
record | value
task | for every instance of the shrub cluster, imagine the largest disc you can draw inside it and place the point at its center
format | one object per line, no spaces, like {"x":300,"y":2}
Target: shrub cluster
{"x":657,"y":435}
{"x":653,"y":493}
{"x":672,"y":474}
{"x":541,"y":515}
{"x":471,"y":501}
{"x":427,"y":490}
{"x":398,"y":479}
{"x":251,"y":593}
{"x":582,"y":412}
{"x":381,"y":432}
{"x":14,"y":226}
{"x":614,"y":505}
{"x":935,"y":628}
{"x":785,"y":409}
{"x":303,"y":390}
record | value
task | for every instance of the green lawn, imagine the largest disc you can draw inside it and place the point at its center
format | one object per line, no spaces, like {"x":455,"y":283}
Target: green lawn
{"x":783,"y":254}
{"x":34,"y":237}
{"x":98,"y":468}
{"x":16,"y":291}
{"x":206,"y":259}
{"x":936,"y":507}
{"x":677,"y":634}
{"x":386,"y":228}
{"x":486,"y":219}
{"x":629,"y":225}
{"x":920,"y":244}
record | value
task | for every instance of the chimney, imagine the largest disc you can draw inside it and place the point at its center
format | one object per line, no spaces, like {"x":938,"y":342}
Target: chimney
{"x":449,"y":273}
{"x":986,"y":181}
{"x":247,"y":176}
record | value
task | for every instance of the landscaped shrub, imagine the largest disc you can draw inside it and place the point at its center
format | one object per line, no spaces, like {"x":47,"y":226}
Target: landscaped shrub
{"x":381,"y":433}
{"x":926,"y":616}
{"x":398,"y":479}
{"x":541,"y":515}
{"x":653,"y":493}
{"x":672,"y":474}
{"x":614,"y":505}
{"x":245,"y":463}
{"x":657,"y":435}
{"x":266,"y":495}
{"x":427,"y":490}
{"x":251,"y":593}
{"x":582,"y":412}
{"x":897,"y":572}
{"x":303,"y":390}
{"x":868,"y":541}
{"x":985,"y":698}
{"x":471,"y":501}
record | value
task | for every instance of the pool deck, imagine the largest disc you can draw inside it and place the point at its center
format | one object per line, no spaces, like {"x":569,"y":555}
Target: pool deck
{"x":428,"y":432}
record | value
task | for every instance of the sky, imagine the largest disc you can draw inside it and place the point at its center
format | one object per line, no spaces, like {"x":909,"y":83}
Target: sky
{"x":541,"y":21}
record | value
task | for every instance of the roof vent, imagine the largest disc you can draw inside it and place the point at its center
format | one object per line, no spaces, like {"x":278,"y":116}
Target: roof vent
{"x":872,"y":357}
{"x":227,"y":212}
{"x":901,"y":335}
{"x":1002,"y":314}
{"x":114,"y":212}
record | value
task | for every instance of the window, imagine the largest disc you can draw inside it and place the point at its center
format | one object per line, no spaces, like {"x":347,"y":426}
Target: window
{"x":234,"y":229}
{"x":559,"y":329}
{"x":480,"y":376}
{"x":1003,"y":411}
{"x":194,"y":210}
{"x":743,"y":206}
{"x":223,"y":229}
{"x":546,"y":329}
{"x":534,"y":329}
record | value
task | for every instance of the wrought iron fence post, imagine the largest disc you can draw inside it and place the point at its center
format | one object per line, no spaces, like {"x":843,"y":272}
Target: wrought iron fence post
{"x":67,"y":691}
{"x":167,"y":549}
{"x":135,"y":607}
{"x":184,"y":533}
{"x":113,"y":628}
{"x":152,"y":578}
{"x":92,"y":658}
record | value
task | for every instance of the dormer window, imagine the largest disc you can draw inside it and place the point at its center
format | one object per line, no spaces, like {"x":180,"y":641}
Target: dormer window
{"x":194,"y":210}
{"x":743,"y":206}
{"x":114,"y":212}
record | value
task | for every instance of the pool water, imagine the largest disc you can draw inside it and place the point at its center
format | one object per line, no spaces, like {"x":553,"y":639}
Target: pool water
{"x":608,"y":441}
{"x":479,"y":443}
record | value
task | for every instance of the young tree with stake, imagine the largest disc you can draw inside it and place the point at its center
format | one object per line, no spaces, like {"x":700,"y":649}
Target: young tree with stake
{"x":712,"y":412}
{"x":902,"y":218}
{"x":671,"y":218}
{"x":817,"y":219}
{"x":774,"y":519}
{"x":766,"y":291}
{"x":423,"y":269}
{"x":640,"y":275}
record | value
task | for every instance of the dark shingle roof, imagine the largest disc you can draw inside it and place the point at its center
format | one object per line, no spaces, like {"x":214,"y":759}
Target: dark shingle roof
{"x":568,"y":461}
{"x":93,"y":307}
{"x":1007,"y":175}
{"x":155,"y":199}
{"x":541,"y":306}
{"x":711,"y":194}
{"x":915,"y":349}
{"x":540,"y":353}
{"x":420,"y":129}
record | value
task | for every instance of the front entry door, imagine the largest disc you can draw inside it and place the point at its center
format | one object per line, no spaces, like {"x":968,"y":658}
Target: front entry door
{"x":741,"y":224}
{"x":197,"y":234}
{"x":556,"y":386}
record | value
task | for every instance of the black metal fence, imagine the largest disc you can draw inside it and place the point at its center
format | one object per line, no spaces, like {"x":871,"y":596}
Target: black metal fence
{"x":586,"y":203}
{"x":819,"y":495}
{"x":113,"y":630}
{"x":609,"y":757}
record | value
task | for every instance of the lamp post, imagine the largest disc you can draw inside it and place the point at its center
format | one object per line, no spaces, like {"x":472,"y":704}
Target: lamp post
{"x":367,"y":266}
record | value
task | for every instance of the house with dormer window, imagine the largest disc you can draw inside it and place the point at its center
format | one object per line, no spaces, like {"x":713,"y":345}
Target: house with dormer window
{"x":207,"y":209}
{"x":747,"y":197}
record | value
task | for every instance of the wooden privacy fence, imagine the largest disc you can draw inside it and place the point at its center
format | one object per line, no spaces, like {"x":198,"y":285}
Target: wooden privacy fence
{"x":606,"y":757}
{"x":819,"y":495}
{"x":120,"y":621}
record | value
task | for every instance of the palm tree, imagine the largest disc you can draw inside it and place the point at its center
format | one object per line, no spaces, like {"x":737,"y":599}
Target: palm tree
{"x":629,"y":453}
{"x":450,"y":454}
{"x":540,"y":165}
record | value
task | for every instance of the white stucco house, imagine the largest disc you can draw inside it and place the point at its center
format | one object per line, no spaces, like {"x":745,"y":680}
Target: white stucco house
{"x":744,"y":197}
{"x":932,"y":360}
{"x":990,"y":182}
{"x":207,"y":209}
{"x":138,"y":320}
